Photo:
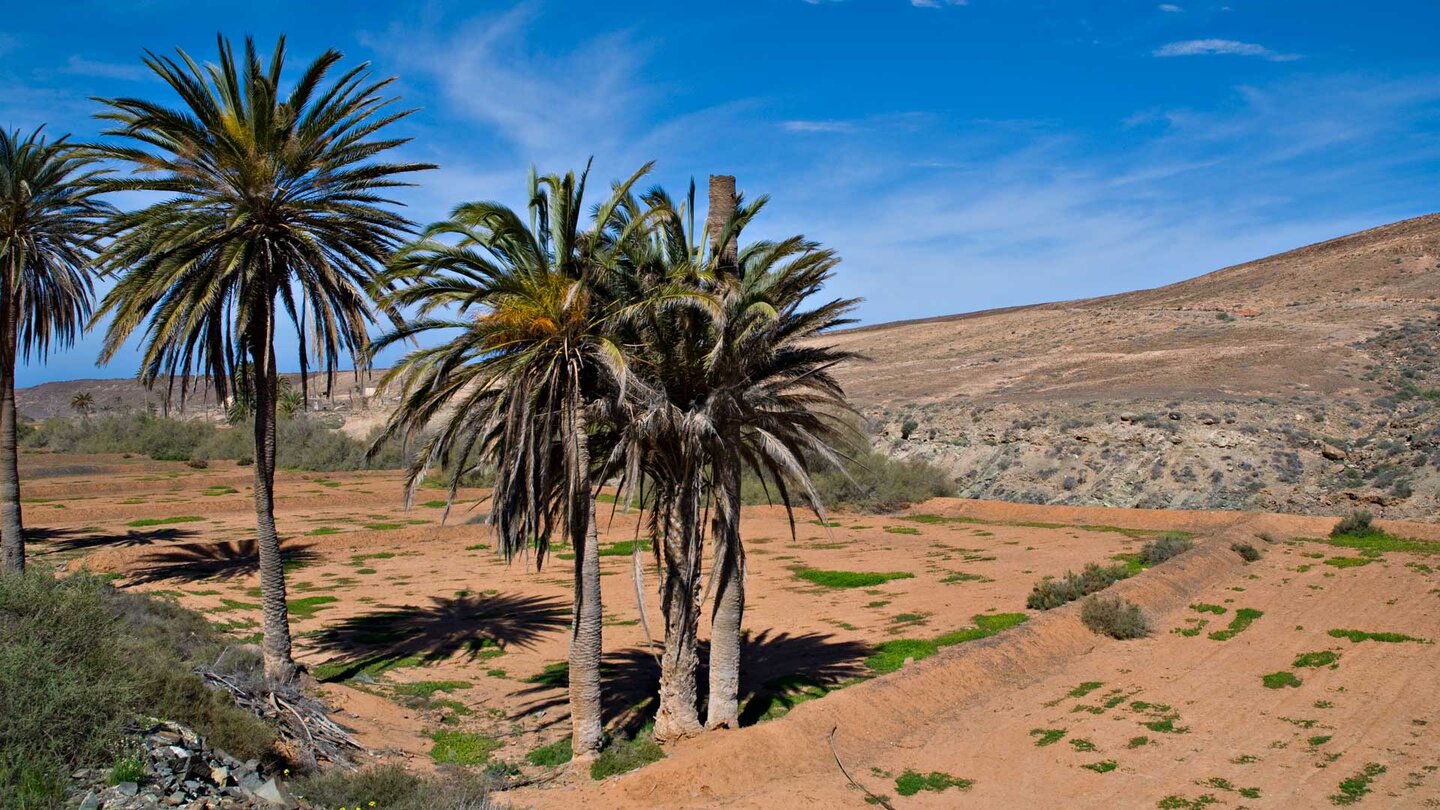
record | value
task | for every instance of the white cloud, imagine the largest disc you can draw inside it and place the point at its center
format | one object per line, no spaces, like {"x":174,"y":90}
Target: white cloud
{"x":936,"y":3}
{"x":1170,"y":8}
{"x":1221,"y":47}
{"x":831,"y":126}
{"x":80,"y":66}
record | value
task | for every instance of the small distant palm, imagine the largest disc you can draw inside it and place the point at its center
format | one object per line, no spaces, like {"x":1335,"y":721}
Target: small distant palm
{"x":83,"y":403}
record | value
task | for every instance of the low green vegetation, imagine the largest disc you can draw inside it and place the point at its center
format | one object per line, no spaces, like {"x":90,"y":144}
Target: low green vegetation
{"x":1202,"y":607}
{"x":308,"y":606}
{"x":911,"y":782}
{"x":395,"y":787}
{"x":1348,"y":562}
{"x":1047,"y":736}
{"x":302,"y":442}
{"x":427,"y":689}
{"x":1356,"y":787}
{"x":1358,"y":636}
{"x":1244,"y":617}
{"x":79,"y":660}
{"x":889,"y":656}
{"x":1114,"y":617}
{"x":551,"y":756}
{"x":1324,"y":658}
{"x":452,"y":747}
{"x":1280,"y":680}
{"x":1051,"y":593}
{"x":1247,"y":551}
{"x":164,"y":521}
{"x":1085,"y":688}
{"x":1103,"y":766}
{"x":870,"y":481}
{"x":850,"y":579}
{"x":626,"y":754}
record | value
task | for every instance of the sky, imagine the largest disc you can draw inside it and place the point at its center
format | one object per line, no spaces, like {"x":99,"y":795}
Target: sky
{"x":959,"y":154}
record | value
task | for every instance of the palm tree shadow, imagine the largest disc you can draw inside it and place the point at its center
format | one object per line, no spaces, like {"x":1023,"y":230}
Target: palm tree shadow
{"x":778,"y":670}
{"x":224,"y":560}
{"x":480,"y":626}
{"x":59,"y":541}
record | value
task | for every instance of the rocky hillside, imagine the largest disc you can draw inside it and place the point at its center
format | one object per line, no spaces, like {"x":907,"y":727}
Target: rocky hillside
{"x":1305,"y":382}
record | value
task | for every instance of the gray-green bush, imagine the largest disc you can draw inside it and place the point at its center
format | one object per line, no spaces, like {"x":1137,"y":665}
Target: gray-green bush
{"x":1114,"y":617}
{"x":1052,"y":592}
{"x":77,"y":660}
{"x":870,"y":482}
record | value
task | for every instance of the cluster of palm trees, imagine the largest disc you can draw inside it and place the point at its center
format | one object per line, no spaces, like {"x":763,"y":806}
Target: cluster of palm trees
{"x":573,"y":349}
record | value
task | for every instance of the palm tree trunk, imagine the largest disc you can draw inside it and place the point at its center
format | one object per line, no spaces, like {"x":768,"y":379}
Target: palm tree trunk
{"x":678,"y":715}
{"x":586,"y":720}
{"x":729,"y":613}
{"x":274,"y":609}
{"x":12,"y":532}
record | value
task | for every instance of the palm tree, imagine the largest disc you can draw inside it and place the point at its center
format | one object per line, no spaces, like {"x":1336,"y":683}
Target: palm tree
{"x":48,"y":223}
{"x":273,"y":203}
{"x":732,"y":382}
{"x":83,"y":403}
{"x":516,"y":389}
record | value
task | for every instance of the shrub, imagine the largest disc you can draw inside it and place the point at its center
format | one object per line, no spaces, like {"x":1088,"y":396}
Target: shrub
{"x":1052,"y":593}
{"x":78,"y":659}
{"x":622,"y":755}
{"x":1356,"y":524}
{"x":392,"y":787}
{"x":869,"y":482}
{"x":1163,"y":548}
{"x":1247,"y":552}
{"x":1114,"y":617}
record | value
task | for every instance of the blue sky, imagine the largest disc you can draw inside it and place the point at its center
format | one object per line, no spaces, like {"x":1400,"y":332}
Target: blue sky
{"x":959,"y":155}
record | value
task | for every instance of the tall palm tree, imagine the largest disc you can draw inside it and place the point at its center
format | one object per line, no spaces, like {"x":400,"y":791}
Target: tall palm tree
{"x":775,"y":407}
{"x":273,"y":207}
{"x":49,"y":214}
{"x":730,"y":383}
{"x":516,"y":389}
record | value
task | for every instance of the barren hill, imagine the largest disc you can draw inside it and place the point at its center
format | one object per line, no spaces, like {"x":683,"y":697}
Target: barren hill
{"x":1304,"y":381}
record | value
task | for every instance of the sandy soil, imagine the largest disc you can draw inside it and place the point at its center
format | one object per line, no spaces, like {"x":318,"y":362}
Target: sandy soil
{"x":417,"y":601}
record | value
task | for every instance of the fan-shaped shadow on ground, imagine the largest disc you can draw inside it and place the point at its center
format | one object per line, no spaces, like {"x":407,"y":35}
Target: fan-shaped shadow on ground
{"x":778,"y":670}
{"x":478,"y":625}
{"x":224,"y":560}
{"x":68,"y":540}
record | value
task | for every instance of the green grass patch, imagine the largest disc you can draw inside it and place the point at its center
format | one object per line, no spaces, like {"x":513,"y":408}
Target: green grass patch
{"x":623,"y":755}
{"x":164,"y":521}
{"x":373,"y":667}
{"x":1203,"y":607}
{"x":1354,"y":789}
{"x":1047,"y":736}
{"x":1244,"y":617}
{"x":435,"y":504}
{"x":1085,"y":688}
{"x":1348,"y":562}
{"x":383,"y":527}
{"x":555,"y":673}
{"x":890,"y":655}
{"x":551,"y":756}
{"x":624,"y":548}
{"x":427,"y":689}
{"x":1324,"y":658}
{"x":850,"y":579}
{"x":219,"y":489}
{"x":1103,"y":766}
{"x":964,"y":576}
{"x":1358,"y":636}
{"x":910,"y":530}
{"x":1280,"y":680}
{"x":321,"y":531}
{"x":308,"y":606}
{"x":461,"y":748}
{"x":911,"y":782}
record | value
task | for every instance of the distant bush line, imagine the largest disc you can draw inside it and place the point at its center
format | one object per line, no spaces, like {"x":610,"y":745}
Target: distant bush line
{"x":303,"y":442}
{"x":870,"y":482}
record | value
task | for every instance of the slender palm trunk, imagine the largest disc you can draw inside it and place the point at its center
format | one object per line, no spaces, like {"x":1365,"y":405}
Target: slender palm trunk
{"x":729,"y":612}
{"x":274,"y":609}
{"x":12,"y":533}
{"x":678,"y":715}
{"x":586,"y":720}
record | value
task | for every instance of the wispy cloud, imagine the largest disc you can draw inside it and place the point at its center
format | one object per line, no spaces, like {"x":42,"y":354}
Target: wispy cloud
{"x":937,"y":3}
{"x":80,"y":66}
{"x":831,"y":126}
{"x":1170,"y":8}
{"x":1221,"y":47}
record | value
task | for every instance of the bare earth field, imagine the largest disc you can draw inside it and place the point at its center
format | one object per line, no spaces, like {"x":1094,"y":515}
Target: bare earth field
{"x":386,"y":602}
